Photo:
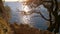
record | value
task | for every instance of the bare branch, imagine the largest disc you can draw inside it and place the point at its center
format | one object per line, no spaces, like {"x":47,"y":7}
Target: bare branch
{"x":40,"y":14}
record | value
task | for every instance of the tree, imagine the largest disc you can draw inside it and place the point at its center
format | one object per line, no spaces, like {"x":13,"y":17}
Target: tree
{"x":5,"y":27}
{"x":4,"y":10}
{"x":8,"y":11}
{"x":52,"y":9}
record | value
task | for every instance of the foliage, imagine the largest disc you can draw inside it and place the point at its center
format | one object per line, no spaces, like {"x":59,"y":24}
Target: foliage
{"x":8,"y":11}
{"x":26,"y":29}
{"x":4,"y":27}
{"x":52,"y":6}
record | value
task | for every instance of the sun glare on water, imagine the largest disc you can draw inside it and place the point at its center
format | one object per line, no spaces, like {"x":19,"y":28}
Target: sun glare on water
{"x":26,"y":18}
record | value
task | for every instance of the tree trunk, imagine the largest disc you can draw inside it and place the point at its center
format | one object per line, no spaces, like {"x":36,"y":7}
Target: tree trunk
{"x":3,"y":11}
{"x":3,"y":18}
{"x":56,"y":17}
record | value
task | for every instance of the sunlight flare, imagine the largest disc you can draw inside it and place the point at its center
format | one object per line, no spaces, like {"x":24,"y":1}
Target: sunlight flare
{"x":26,"y":18}
{"x":25,"y":12}
{"x":26,"y":8}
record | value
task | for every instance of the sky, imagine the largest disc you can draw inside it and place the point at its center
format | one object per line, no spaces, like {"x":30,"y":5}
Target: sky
{"x":15,"y":0}
{"x":10,"y":0}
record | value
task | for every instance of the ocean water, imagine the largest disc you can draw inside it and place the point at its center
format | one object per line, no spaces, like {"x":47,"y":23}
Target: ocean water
{"x":37,"y":22}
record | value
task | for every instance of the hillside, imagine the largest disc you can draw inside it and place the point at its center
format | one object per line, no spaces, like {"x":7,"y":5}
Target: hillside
{"x":26,"y":29}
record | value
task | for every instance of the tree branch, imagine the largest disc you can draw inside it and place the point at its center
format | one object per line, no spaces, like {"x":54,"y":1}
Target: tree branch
{"x":55,"y":13}
{"x":40,"y":14}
